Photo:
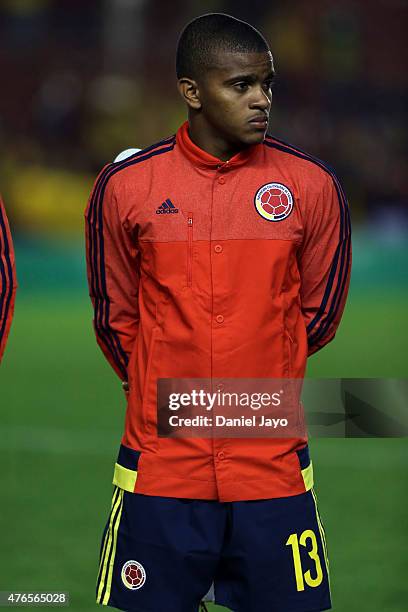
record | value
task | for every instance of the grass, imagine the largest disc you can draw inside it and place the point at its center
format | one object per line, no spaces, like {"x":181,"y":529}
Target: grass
{"x":61,"y":421}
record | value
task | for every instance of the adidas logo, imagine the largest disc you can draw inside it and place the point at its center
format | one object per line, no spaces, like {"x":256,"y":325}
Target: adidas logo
{"x":166,"y":208}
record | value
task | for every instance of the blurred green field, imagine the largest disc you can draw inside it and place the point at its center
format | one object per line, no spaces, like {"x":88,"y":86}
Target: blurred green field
{"x":61,"y":422}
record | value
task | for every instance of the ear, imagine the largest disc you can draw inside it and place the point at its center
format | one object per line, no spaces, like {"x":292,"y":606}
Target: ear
{"x":190,"y":93}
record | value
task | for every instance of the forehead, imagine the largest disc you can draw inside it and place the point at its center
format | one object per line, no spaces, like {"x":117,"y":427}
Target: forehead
{"x":225,"y":64}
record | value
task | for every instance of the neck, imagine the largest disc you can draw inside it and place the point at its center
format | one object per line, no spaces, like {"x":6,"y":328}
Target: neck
{"x":207,"y":138}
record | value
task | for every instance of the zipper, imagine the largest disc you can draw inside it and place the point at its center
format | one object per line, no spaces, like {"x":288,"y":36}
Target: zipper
{"x":146,"y":385}
{"x":289,"y":345}
{"x":190,"y":249}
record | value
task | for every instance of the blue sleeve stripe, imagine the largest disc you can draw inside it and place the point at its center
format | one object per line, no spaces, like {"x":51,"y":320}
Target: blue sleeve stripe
{"x":96,"y":247}
{"x":342,"y":277}
{"x":104,"y":333}
{"x":98,"y":282}
{"x":6,"y":292}
{"x":344,"y":242}
{"x":340,"y":288}
{"x":333,"y":269}
{"x":342,"y":249}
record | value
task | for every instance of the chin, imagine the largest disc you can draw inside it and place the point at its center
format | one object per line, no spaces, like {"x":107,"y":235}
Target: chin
{"x":255,"y":138}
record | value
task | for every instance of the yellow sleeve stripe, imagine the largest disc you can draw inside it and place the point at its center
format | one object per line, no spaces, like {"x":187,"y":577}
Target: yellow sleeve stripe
{"x":307,"y":475}
{"x":124,"y":478}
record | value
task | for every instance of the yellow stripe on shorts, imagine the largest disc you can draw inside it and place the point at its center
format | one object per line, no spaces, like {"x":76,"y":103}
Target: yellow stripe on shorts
{"x":322,"y":534}
{"x":105,"y":541}
{"x":106,"y":568}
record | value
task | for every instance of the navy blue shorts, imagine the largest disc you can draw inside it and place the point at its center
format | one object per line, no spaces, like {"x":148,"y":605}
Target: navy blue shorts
{"x":161,"y":554}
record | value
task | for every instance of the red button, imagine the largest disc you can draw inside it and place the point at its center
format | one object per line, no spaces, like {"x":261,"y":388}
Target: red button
{"x":218,"y":248}
{"x":221,"y":456}
{"x":221,"y":180}
{"x":219,"y":318}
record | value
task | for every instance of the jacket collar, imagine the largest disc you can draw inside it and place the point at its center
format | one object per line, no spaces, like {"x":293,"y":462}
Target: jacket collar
{"x":201,"y":158}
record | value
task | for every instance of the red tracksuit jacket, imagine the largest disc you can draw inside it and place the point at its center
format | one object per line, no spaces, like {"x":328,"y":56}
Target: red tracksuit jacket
{"x":8,"y":283}
{"x":200,"y":268}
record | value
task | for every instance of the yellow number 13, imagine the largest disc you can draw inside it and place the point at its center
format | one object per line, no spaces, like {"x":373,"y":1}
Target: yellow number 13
{"x":301,"y":577}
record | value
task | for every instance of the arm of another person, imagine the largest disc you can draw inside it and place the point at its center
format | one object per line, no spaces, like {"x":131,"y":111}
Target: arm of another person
{"x":113,"y":274}
{"x":325,"y":263}
{"x":8,"y":282}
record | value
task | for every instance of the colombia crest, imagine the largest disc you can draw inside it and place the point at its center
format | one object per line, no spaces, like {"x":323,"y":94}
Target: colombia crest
{"x":133,"y":575}
{"x":274,"y":201}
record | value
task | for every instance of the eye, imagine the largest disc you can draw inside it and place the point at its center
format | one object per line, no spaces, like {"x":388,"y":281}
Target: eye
{"x":241,"y":86}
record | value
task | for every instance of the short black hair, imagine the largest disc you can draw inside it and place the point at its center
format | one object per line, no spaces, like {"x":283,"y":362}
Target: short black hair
{"x":208,"y":34}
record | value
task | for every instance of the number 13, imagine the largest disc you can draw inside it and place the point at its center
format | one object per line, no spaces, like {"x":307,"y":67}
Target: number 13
{"x":301,"y":577}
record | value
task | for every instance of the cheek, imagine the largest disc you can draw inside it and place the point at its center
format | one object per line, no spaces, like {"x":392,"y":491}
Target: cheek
{"x":219,"y":100}
{"x":228,"y":108}
{"x":223,"y":108}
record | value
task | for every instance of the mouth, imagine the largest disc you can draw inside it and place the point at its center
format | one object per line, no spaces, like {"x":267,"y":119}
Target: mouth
{"x":260,"y":121}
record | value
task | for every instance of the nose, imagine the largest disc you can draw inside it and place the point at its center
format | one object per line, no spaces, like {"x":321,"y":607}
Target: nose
{"x":260,"y":99}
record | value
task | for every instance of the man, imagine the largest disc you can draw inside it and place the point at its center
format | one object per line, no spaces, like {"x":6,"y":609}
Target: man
{"x":218,"y":252}
{"x":8,"y":283}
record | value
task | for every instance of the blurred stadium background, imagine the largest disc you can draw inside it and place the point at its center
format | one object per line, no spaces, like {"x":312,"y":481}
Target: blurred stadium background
{"x":85,"y":80}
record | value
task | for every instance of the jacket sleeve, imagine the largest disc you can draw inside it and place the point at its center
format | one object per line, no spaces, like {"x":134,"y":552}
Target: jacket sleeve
{"x":325,"y":263}
{"x":113,"y":274}
{"x":8,"y":282}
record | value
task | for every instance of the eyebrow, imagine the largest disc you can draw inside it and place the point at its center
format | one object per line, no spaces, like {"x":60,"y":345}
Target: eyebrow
{"x":249,"y":77}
